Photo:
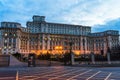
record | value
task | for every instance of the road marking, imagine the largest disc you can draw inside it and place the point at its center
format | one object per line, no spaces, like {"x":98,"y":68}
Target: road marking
{"x":41,"y":73}
{"x":6,"y":77}
{"x":93,"y":75}
{"x":79,"y":75}
{"x":66,"y":74}
{"x":60,"y":72}
{"x":35,"y":72}
{"x":44,"y":73}
{"x":17,"y":76}
{"x":55,"y":73}
{"x":108,"y":76}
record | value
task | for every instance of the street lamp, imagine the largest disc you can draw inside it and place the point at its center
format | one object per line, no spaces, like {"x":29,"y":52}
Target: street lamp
{"x":92,"y":52}
{"x":108,"y":55}
{"x":28,"y":41}
{"x":71,"y":54}
{"x":0,"y":51}
{"x":84,"y":47}
{"x":50,"y":53}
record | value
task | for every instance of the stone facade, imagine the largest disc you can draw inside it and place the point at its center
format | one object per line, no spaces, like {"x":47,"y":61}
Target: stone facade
{"x":41,"y":37}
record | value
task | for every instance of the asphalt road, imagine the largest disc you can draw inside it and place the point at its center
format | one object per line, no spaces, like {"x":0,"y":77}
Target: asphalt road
{"x":60,"y":73}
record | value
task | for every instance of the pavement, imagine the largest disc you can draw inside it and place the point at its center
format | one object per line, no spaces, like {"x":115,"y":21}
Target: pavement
{"x":18,"y":71}
{"x":60,"y":73}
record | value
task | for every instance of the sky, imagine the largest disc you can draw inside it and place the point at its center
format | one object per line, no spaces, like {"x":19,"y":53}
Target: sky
{"x":101,"y":15}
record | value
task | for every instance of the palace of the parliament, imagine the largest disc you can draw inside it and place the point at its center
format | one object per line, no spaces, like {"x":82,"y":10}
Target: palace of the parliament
{"x":41,"y":37}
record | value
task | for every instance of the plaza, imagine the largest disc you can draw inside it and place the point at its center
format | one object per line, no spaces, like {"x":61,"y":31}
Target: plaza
{"x":60,"y":73}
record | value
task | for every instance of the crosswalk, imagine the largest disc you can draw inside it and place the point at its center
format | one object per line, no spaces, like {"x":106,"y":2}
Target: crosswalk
{"x":58,"y":73}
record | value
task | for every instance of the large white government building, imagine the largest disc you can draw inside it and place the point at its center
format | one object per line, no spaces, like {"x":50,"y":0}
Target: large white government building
{"x":41,"y":37}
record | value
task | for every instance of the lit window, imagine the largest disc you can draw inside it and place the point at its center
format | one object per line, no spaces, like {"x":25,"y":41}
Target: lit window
{"x":9,"y":47}
{"x":14,"y":35}
{"x":5,"y":41}
{"x":5,"y":47}
{"x":5,"y":34}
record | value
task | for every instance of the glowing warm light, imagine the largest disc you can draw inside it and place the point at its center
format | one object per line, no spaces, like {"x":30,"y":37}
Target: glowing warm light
{"x":58,"y":47}
{"x":32,"y":51}
{"x":59,"y":50}
{"x":77,"y":52}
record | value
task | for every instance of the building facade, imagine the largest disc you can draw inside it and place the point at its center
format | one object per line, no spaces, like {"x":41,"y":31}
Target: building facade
{"x":41,"y":37}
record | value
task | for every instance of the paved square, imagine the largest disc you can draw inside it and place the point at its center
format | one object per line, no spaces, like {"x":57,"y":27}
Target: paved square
{"x":59,"y":73}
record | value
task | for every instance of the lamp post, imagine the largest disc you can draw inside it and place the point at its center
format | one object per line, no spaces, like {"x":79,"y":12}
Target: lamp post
{"x":28,"y":41}
{"x":92,"y":53}
{"x":108,"y":55}
{"x":71,"y":54}
{"x":84,"y":47}
{"x":0,"y":51}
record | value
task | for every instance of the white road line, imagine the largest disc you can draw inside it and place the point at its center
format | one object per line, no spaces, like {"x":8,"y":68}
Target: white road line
{"x":55,"y":73}
{"x":108,"y":76}
{"x":29,"y":76}
{"x":6,"y":77}
{"x":25,"y":73}
{"x":41,"y":73}
{"x":66,"y":74}
{"x":60,"y":72}
{"x":17,"y":76}
{"x":78,"y":75}
{"x":93,"y":75}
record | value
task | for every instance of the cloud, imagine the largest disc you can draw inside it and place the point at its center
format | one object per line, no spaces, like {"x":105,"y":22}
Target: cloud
{"x":83,"y":12}
{"x":110,"y":25}
{"x":93,"y":12}
{"x":23,"y":10}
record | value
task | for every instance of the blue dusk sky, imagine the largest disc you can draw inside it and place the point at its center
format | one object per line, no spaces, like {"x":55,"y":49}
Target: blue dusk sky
{"x":101,"y":15}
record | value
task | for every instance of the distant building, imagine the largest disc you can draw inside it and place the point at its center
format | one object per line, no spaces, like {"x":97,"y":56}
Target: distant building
{"x":41,"y":37}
